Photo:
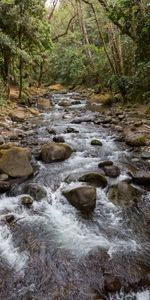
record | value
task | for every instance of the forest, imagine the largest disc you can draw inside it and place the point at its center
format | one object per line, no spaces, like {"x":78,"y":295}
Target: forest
{"x":75,"y":150}
{"x":101,"y":44}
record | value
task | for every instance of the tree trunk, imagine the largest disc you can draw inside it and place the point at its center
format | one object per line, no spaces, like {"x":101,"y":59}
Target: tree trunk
{"x":20,"y":67}
{"x":5,"y":73}
{"x":20,"y":78}
{"x":84,"y":32}
{"x":41,"y":74}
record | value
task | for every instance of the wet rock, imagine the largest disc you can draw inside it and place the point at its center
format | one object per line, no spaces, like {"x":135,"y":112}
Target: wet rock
{"x":44,"y":104}
{"x":140,"y":177}
{"x":4,"y":186}
{"x":58,"y":139}
{"x":95,"y":179}
{"x":10,"y":218}
{"x":105,"y":163}
{"x":71,"y":130}
{"x":15,"y":162}
{"x":55,"y":152}
{"x":135,"y":140}
{"x":111,"y":171}
{"x":36,"y":152}
{"x":51,"y":130}
{"x":123,"y":194}
{"x":96,"y":143}
{"x":64,"y":103}
{"x":76,"y":102}
{"x":37,"y":192}
{"x":83,"y":198}
{"x":145,"y":155}
{"x":3,"y":177}
{"x":2,"y":141}
{"x":26,"y":201}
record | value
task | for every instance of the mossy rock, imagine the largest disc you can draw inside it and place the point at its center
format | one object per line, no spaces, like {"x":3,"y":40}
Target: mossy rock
{"x":124,"y":195}
{"x":135,"y":140}
{"x":96,"y":143}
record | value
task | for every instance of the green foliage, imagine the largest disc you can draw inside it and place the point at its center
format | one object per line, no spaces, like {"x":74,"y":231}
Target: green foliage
{"x":24,"y":39}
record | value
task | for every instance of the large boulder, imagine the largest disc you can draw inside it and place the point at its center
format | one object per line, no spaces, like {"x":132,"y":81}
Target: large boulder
{"x":15,"y":162}
{"x":112,"y":171}
{"x":140,"y":177}
{"x":95,"y":179}
{"x":135,"y":140}
{"x":83,"y":198}
{"x":52,"y":152}
{"x":44,"y":104}
{"x":123,"y":194}
{"x":18,"y":115}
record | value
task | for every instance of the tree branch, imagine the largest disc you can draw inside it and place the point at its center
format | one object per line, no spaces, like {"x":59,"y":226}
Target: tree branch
{"x":53,"y":9}
{"x":122,"y":28}
{"x":66,"y":31}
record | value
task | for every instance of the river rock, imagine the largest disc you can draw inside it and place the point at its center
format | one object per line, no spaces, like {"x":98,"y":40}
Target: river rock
{"x":123,"y":194}
{"x":3,"y":177}
{"x":15,"y":162}
{"x":44,"y":104}
{"x":106,"y":120}
{"x":140,"y":177}
{"x":105,"y":163}
{"x":71,"y":130}
{"x":51,"y":130}
{"x":64,"y":103}
{"x":96,"y":143}
{"x":111,"y":171}
{"x":95,"y":179}
{"x":10,"y":218}
{"x":26,"y":201}
{"x":83,"y":198}
{"x":37,"y":192}
{"x":55,"y":152}
{"x":58,"y":139}
{"x":18,"y":115}
{"x":2,"y":141}
{"x":135,"y":140}
{"x":145,"y":155}
{"x":4,"y":186}
{"x":76,"y":102}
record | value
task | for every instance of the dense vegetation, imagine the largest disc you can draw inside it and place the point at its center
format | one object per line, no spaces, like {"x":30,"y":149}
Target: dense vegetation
{"x":99,"y":43}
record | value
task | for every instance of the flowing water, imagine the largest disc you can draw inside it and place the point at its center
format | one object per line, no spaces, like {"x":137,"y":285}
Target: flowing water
{"x":54,"y":252}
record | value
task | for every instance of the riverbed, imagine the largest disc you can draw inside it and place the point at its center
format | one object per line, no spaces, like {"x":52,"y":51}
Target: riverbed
{"x":53,"y":251}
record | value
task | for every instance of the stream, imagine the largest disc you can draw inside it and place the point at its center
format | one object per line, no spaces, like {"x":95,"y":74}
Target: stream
{"x":55,"y":252}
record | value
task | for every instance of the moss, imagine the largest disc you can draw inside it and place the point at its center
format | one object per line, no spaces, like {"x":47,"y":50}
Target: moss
{"x":96,"y":143}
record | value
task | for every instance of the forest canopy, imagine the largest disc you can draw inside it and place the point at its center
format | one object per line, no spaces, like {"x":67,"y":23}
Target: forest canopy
{"x":104,"y":44}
